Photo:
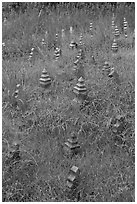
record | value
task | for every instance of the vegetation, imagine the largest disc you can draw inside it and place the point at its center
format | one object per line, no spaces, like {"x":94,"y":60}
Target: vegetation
{"x":42,"y":120}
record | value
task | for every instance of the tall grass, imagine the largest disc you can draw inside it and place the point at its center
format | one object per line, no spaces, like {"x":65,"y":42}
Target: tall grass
{"x":48,"y":117}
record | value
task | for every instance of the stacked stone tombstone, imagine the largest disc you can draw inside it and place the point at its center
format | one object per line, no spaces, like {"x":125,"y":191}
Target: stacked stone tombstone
{"x":125,"y":27}
{"x":91,"y":30}
{"x":106,"y":68}
{"x":80,"y":58}
{"x":73,"y":45}
{"x":81,"y":40}
{"x":31,"y":55}
{"x":15,"y":96}
{"x":16,"y":93}
{"x":63,"y":34}
{"x":43,"y":42}
{"x":114,"y":47}
{"x":110,"y":72}
{"x":113,"y":26}
{"x":80,"y":89}
{"x":45,"y":80}
{"x":57,"y":53}
{"x":72,"y":182}
{"x":71,"y":146}
{"x":117,"y":33}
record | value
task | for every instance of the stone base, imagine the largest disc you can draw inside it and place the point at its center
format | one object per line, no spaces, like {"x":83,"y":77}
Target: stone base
{"x":71,"y":152}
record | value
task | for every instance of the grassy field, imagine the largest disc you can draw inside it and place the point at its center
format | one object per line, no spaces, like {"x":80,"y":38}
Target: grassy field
{"x":45,"y":119}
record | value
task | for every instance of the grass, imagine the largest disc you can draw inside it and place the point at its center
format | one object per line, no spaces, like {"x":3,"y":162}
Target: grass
{"x":43,"y":122}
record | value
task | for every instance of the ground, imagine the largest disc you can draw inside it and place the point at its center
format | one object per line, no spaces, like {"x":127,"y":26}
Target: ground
{"x":45,"y":119}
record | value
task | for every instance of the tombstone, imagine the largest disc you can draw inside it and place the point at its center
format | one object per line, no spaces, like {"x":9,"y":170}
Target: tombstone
{"x":114,"y":46}
{"x":81,"y":40}
{"x":80,"y":89}
{"x":15,"y":96}
{"x":72,"y":147}
{"x":63,"y":38}
{"x":115,"y":76}
{"x":80,"y":72}
{"x":81,"y":54}
{"x":78,"y":57}
{"x":78,"y":68}
{"x":76,"y":62}
{"x":63,"y":34}
{"x":117,"y":33}
{"x":93,"y":59}
{"x":57,"y":53}
{"x":71,"y":33}
{"x":16,"y":92}
{"x":56,"y":38}
{"x":31,"y":55}
{"x":71,"y":30}
{"x":91,"y":29}
{"x":73,"y":45}
{"x":113,"y":24}
{"x":113,"y":27}
{"x":106,"y":68}
{"x":125,"y":24}
{"x":73,"y":178}
{"x":75,"y":67}
{"x":43,"y":42}
{"x":113,"y":16}
{"x":46,"y":35}
{"x":45,"y":80}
